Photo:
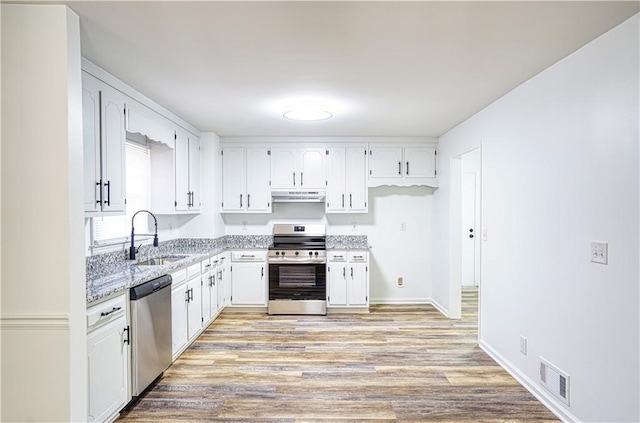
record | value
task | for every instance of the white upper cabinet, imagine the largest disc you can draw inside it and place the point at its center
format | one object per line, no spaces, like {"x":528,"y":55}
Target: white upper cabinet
{"x":385,"y":162}
{"x":347,"y":179}
{"x":233,"y":179}
{"x":298,"y":168}
{"x":403,"y":165}
{"x":104,"y":144}
{"x":258,"y":194}
{"x":420,"y":162}
{"x":245,"y":180}
{"x":187,"y":167}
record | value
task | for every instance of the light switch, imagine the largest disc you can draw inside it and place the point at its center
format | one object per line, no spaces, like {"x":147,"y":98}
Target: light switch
{"x":600,"y":252}
{"x":403,"y":226}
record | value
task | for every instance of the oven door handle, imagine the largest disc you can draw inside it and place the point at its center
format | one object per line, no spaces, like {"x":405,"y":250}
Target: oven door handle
{"x":305,"y":261}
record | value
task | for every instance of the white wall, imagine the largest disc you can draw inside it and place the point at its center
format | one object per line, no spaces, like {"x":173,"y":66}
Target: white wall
{"x":393,"y":253}
{"x":43,"y":275}
{"x":560,"y":167}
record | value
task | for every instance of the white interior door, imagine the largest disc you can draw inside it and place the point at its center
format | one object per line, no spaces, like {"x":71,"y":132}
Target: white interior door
{"x":469,"y":233}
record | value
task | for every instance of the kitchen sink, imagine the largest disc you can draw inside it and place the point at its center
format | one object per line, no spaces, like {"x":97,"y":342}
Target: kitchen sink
{"x":160,"y":261}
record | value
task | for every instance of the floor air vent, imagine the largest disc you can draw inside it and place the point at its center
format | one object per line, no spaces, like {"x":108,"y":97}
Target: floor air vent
{"x":554,"y":380}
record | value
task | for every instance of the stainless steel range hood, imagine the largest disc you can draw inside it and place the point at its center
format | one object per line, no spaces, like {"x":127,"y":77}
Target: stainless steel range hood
{"x":297,"y":196}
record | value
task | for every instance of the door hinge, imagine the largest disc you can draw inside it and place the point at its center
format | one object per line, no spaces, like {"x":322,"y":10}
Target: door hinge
{"x":202,"y":319}
{"x":269,"y":183}
{"x":222,"y":152}
{"x":222,"y":204}
{"x":326,"y":183}
{"x":125,"y":201}
{"x":326,"y":152}
{"x":435,"y":152}
{"x":435,"y":172}
{"x":175,"y":135}
{"x":370,"y":152}
{"x":175,"y":203}
{"x":366,"y":269}
{"x":370,"y":172}
{"x":366,"y":298}
{"x":268,"y":152}
{"x":365,"y":204}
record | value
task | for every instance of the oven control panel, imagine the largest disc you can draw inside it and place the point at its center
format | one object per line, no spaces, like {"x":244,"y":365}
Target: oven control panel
{"x":297,"y":256}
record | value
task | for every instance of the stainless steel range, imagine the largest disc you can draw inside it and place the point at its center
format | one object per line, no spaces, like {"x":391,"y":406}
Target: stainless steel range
{"x":297,"y":270}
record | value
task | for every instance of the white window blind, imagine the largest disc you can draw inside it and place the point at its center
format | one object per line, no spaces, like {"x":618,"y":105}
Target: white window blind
{"x":137,"y":194}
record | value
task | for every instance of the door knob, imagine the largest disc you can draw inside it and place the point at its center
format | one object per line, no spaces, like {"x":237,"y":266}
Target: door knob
{"x":471,"y":230}
{"x":470,"y":235}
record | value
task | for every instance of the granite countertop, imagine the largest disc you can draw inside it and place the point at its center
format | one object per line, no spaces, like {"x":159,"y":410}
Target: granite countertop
{"x":111,"y":273}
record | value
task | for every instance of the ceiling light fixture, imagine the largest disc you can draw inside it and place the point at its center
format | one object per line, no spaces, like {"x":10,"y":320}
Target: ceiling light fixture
{"x":308,"y":112}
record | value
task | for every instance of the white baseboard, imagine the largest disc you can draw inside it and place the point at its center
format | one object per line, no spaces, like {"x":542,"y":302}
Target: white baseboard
{"x":400,"y":301}
{"x":535,"y":390}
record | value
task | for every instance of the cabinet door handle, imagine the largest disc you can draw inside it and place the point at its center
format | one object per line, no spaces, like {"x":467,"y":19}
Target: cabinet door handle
{"x":262,"y":273}
{"x":294,"y":179}
{"x":352,"y":273}
{"x":108,"y":184}
{"x":240,"y":200}
{"x":343,"y":201}
{"x":350,"y":201}
{"x":113,"y":310}
{"x":407,"y":168}
{"x":248,"y":201}
{"x":301,"y":179}
{"x":400,"y":168}
{"x":127,"y":340}
{"x":344,"y":272}
{"x":99,"y":184}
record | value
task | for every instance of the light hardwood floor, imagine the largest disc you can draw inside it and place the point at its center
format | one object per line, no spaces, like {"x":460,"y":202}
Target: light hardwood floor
{"x":398,"y":363}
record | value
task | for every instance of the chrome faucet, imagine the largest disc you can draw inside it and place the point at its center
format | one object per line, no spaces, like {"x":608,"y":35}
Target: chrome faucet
{"x":133,"y":250}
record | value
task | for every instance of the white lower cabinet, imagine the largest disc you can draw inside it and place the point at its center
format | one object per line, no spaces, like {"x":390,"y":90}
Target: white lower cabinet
{"x":211,"y":290}
{"x":248,"y":278}
{"x":194,"y":306}
{"x":107,"y":359}
{"x":179,"y":309}
{"x":348,"y":279}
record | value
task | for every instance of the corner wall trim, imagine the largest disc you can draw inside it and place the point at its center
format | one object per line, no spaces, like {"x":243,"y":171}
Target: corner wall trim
{"x":440,"y":308}
{"x":530,"y":385}
{"x":34,"y":322}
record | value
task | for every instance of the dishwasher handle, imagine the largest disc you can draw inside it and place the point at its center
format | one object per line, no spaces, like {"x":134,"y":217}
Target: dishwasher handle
{"x":150,"y":287}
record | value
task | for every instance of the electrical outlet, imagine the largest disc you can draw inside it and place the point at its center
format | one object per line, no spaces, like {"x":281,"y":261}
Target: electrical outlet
{"x":400,"y":281}
{"x":599,"y":252}
{"x":354,"y":226}
{"x":244,"y":225}
{"x":403,"y":226}
{"x":523,"y":345}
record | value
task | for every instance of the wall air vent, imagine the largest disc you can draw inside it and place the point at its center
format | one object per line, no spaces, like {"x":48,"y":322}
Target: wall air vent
{"x":554,"y":380}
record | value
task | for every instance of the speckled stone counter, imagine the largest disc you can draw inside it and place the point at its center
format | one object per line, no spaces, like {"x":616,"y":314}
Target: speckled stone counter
{"x":347,"y":242}
{"x":111,"y":273}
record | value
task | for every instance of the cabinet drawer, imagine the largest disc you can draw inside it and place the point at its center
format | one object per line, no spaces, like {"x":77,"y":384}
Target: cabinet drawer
{"x":106,"y":311}
{"x":248,"y":255}
{"x":337,"y":256}
{"x":358,"y":256}
{"x":193,"y":270}
{"x":178,"y":277}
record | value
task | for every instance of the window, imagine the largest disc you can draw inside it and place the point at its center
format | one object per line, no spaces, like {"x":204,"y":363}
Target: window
{"x":111,"y":228}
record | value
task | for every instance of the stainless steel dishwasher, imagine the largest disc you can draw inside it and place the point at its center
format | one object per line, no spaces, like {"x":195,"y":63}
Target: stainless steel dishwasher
{"x":150,"y":331}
